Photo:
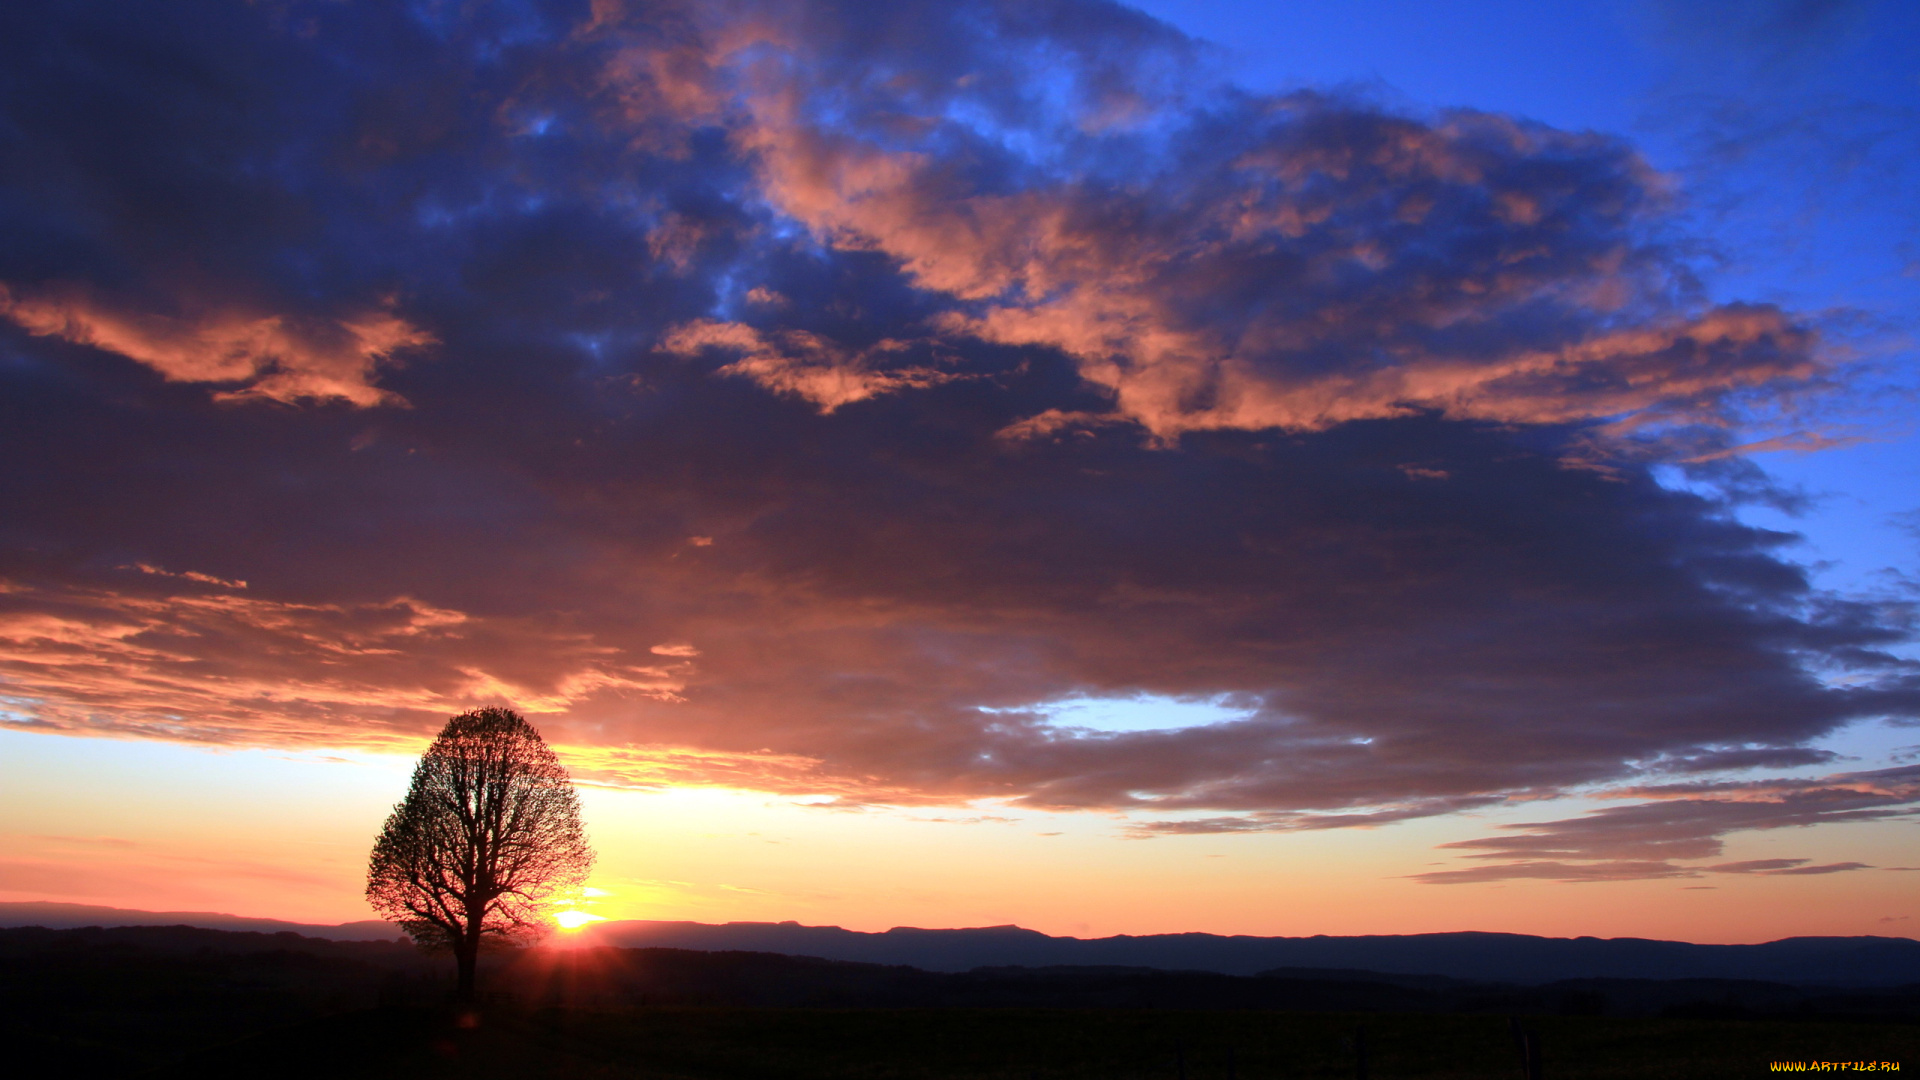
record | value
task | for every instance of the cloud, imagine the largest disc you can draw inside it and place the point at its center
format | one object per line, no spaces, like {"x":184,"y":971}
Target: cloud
{"x":188,"y":575}
{"x":1477,"y":266}
{"x":221,"y":668}
{"x":262,"y":355}
{"x":1608,"y":870}
{"x":1764,"y":757}
{"x":1776,"y":36}
{"x":1293,"y":822}
{"x":1686,"y":822}
{"x":803,"y":364}
{"x":923,"y":368}
{"x":1772,"y":867}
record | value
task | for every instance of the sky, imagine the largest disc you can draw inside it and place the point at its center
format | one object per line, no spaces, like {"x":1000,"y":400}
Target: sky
{"x":1363,"y":467}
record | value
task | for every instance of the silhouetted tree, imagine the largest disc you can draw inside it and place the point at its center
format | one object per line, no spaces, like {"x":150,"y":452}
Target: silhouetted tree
{"x":487,"y":837}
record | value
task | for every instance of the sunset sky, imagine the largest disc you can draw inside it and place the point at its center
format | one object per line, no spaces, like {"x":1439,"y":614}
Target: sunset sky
{"x":1338,"y":466}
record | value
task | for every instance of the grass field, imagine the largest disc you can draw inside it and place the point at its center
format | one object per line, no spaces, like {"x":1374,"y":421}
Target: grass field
{"x":798,"y":1044}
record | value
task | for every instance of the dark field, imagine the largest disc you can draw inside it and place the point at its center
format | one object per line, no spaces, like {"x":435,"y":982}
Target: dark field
{"x":175,"y":1002}
{"x":1019,"y":1045}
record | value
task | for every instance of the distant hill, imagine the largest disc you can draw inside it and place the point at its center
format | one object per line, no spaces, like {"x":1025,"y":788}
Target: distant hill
{"x":68,"y":916}
{"x":1483,"y":957}
{"x":147,"y":968}
{"x":1510,"y":958}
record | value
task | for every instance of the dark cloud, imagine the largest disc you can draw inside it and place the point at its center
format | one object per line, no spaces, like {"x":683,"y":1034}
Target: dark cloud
{"x":1908,"y":521}
{"x":1762,"y":758}
{"x":1294,"y":822}
{"x":1609,"y":870}
{"x":1773,"y":867}
{"x":1768,"y":32}
{"x":792,"y":397}
{"x":1686,"y":822}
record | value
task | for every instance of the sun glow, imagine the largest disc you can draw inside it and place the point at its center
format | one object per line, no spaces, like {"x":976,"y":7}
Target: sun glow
{"x":574,"y":920}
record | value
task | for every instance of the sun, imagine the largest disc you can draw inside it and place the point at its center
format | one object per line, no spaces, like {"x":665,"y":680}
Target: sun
{"x":574,"y":920}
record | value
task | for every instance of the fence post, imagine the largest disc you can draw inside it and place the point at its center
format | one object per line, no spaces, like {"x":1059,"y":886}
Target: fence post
{"x":1527,"y":1041}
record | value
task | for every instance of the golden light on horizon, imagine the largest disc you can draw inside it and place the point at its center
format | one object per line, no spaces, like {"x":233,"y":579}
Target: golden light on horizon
{"x":574,"y":920}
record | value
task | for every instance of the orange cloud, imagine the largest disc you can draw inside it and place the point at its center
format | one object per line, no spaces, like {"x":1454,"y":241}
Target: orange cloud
{"x":660,"y":766}
{"x":802,"y":364}
{"x":225,"y":668}
{"x":1337,"y":313}
{"x":188,"y":575}
{"x":272,"y":356}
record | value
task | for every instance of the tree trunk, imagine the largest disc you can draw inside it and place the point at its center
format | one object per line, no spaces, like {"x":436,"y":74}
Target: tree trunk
{"x":465,"y":952}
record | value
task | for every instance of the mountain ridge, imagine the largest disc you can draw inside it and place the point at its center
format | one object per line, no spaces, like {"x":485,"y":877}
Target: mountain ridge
{"x":1481,"y":955}
{"x":1473,"y":955}
{"x":64,"y":916}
